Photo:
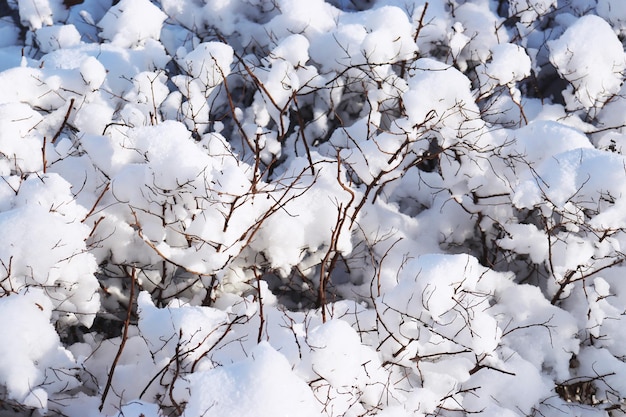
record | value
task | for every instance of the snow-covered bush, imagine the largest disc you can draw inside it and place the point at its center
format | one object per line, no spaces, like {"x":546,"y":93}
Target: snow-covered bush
{"x":320,"y":208}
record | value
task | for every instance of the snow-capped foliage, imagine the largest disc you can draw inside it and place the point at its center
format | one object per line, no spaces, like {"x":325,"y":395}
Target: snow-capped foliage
{"x":312,"y":208}
{"x":595,"y":74}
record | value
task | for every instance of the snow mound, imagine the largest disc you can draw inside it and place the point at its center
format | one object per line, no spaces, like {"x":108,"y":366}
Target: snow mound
{"x":263,"y":385}
{"x":594,"y":74}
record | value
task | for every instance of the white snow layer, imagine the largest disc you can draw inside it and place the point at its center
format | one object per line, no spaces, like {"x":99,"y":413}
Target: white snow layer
{"x":312,"y":208}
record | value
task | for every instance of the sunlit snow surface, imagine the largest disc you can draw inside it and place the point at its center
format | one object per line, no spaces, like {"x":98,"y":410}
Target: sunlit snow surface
{"x":312,"y":208}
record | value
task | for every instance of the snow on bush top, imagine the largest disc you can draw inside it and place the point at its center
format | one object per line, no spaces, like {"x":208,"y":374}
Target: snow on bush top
{"x":595,"y":73}
{"x":38,"y":360}
{"x":320,"y":208}
{"x":119,"y":24}
{"x":263,"y":385}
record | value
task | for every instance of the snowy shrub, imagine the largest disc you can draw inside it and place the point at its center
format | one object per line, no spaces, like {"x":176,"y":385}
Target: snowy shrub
{"x":595,"y":74}
{"x":39,"y":365}
{"x":41,"y":218}
{"x":320,"y":208}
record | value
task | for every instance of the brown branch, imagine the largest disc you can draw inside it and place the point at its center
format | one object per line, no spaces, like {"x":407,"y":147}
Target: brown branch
{"x":279,"y":204}
{"x":261,"y":314}
{"x":95,"y":225}
{"x":569,"y":278}
{"x":342,"y":216}
{"x":133,"y":277}
{"x":232,"y":106}
{"x":179,"y":354}
{"x":420,"y":24}
{"x":43,"y":154}
{"x":302,"y":126}
{"x":93,"y":208}
{"x":65,"y":119}
{"x":229,"y":326}
{"x":478,"y":367}
{"x":179,"y":411}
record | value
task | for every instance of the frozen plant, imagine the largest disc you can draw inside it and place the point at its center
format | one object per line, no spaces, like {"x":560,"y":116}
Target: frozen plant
{"x":320,"y":208}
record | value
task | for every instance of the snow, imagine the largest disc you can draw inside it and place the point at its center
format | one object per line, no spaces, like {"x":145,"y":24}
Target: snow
{"x":43,"y":218}
{"x":264,"y":384}
{"x":35,"y":14}
{"x":614,"y":12}
{"x":92,"y":72}
{"x":594,"y":73}
{"x":34,"y":354}
{"x":119,"y":24}
{"x":51,"y":38}
{"x":526,"y":238}
{"x":529,"y":10}
{"x":509,"y":64}
{"x":320,"y":208}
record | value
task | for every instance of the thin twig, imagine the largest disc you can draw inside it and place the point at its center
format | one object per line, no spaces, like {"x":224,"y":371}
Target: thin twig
{"x":261,"y":313}
{"x":93,"y":208}
{"x":420,"y":24}
{"x":43,"y":154}
{"x":129,"y":311}
{"x":302,"y":126}
{"x":65,"y":119}
{"x":179,"y":411}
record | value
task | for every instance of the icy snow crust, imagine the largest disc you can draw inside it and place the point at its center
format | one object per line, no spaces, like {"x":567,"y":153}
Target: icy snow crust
{"x":312,"y":208}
